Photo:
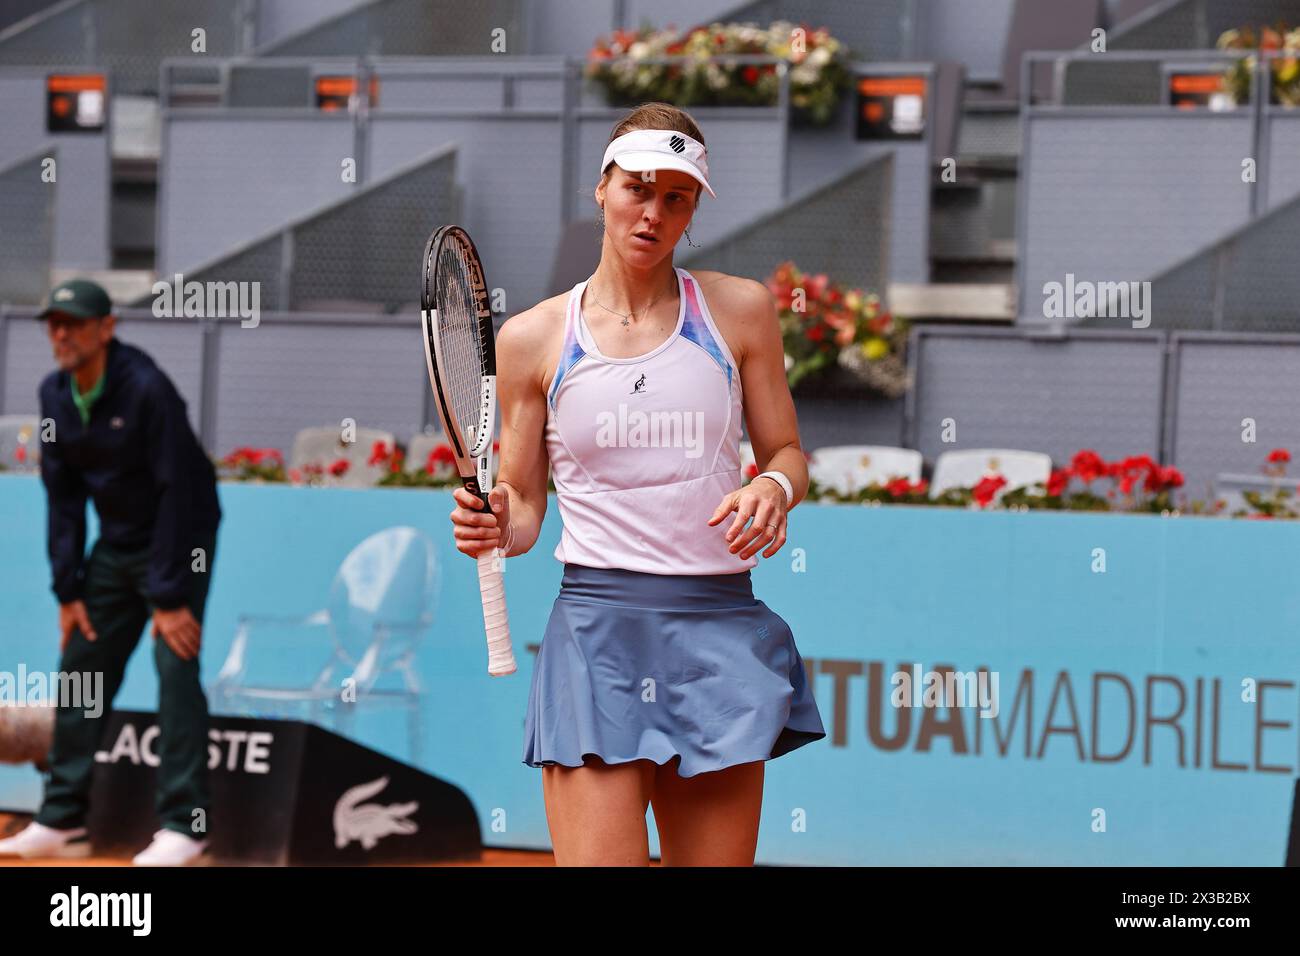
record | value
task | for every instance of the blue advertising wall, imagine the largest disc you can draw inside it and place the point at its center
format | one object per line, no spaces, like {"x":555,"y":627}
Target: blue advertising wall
{"x":1147,"y":673}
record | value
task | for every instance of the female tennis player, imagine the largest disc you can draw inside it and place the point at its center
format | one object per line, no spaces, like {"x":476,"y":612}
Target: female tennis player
{"x":661,"y":679}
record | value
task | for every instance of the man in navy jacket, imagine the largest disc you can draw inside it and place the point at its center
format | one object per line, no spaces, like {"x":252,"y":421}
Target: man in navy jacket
{"x":114,"y":430}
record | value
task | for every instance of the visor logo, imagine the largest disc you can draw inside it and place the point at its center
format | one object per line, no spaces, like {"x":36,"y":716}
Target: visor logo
{"x":677,"y":143}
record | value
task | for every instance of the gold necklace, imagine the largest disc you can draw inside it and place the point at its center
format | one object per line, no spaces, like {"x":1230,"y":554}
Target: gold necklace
{"x":626,"y":317}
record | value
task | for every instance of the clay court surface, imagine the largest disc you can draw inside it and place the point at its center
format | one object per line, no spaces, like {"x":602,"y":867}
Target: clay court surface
{"x":10,"y":824}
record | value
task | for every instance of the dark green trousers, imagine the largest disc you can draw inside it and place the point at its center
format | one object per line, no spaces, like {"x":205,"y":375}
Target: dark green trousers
{"x":114,"y":594}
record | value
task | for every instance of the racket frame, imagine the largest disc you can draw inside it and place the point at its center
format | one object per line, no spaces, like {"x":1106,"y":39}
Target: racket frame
{"x":473,"y":453}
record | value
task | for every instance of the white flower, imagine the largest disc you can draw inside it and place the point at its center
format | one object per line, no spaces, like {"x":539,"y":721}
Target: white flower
{"x":820,"y":56}
{"x":804,"y":74}
{"x":789,"y":363}
{"x":638,"y":49}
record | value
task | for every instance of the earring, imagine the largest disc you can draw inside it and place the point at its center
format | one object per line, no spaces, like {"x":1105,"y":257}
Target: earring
{"x":600,"y":218}
{"x":688,"y":238}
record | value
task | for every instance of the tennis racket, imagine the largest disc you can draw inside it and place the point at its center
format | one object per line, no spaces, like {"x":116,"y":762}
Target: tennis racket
{"x":460,"y":353}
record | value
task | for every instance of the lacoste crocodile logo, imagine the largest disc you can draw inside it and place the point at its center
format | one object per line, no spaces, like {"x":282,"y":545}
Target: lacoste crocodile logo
{"x":368,"y":823}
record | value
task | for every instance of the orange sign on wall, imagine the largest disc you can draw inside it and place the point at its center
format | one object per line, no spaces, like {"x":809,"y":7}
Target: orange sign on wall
{"x":336,"y":92}
{"x":891,"y":107}
{"x":75,"y":103}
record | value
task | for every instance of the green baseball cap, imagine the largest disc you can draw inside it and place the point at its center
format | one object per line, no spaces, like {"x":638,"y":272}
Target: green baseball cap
{"x":80,"y":298}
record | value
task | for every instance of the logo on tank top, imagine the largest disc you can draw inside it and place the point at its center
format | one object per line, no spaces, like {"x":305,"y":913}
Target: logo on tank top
{"x":631,"y":428}
{"x":638,"y":387}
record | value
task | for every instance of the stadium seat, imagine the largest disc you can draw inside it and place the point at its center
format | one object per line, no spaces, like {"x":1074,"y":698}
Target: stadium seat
{"x":419,"y":447}
{"x":847,"y":468}
{"x":1230,"y":488}
{"x":321,"y":446}
{"x":962,"y":469}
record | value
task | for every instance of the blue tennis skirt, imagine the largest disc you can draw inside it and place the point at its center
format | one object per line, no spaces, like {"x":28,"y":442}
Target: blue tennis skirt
{"x":650,"y":666}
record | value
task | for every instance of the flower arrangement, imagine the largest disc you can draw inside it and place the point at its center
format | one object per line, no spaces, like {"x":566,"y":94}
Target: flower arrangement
{"x":439,"y":469}
{"x":1285,"y":69}
{"x":824,"y":325}
{"x":818,"y":77}
{"x":1138,"y":484}
{"x":1276,"y":504}
{"x":1143,"y":483}
{"x":253,"y":464}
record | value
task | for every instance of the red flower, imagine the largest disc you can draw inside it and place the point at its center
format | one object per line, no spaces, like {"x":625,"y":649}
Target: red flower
{"x":1163,"y":479}
{"x":395,"y":462}
{"x":1058,"y":481}
{"x":1279,"y":455}
{"x":339,"y":467}
{"x":295,"y":475}
{"x":816,"y":333}
{"x":1087,"y":465}
{"x":987,"y":487}
{"x":899,"y":487}
{"x":378,"y":452}
{"x":816,"y":285}
{"x":251,"y":456}
{"x":751,"y":470}
{"x":20,"y":454}
{"x":441,"y":455}
{"x":750,"y":75}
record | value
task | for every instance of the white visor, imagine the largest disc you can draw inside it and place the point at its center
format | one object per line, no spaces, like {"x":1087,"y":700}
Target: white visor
{"x":644,"y":149}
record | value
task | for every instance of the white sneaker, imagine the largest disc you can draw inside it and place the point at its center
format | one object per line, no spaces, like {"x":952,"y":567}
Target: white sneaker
{"x":173,"y":848}
{"x":37,"y":840}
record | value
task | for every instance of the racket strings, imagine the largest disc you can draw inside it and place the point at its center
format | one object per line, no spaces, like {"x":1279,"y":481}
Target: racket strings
{"x":460,"y":338}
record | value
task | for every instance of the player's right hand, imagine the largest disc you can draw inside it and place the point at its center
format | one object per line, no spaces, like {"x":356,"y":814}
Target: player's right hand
{"x":475,"y":531}
{"x":73,"y":614}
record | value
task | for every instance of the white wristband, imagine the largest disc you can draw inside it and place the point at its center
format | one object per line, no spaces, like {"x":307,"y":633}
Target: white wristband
{"x":783,"y":481}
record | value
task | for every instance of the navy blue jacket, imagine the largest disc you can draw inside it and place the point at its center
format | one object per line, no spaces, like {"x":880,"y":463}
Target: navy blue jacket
{"x":138,"y":459}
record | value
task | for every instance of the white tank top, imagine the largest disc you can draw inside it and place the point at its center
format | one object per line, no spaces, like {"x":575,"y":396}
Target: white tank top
{"x":643,"y":449}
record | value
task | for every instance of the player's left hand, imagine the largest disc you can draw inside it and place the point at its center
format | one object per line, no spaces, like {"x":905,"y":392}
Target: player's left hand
{"x":179,"y":629}
{"x":764,"y":501}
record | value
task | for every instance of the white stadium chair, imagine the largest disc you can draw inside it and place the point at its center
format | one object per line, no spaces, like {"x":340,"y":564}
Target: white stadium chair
{"x":848,"y":468}
{"x":322,"y":446}
{"x":421,"y":444}
{"x":962,"y":469}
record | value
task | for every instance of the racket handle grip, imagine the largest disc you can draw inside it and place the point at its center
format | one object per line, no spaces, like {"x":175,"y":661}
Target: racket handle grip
{"x":501,"y":655}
